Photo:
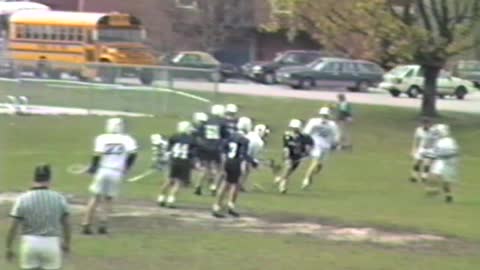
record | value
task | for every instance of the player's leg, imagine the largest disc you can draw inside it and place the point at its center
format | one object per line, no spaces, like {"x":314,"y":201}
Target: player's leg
{"x":173,"y":192}
{"x":290,"y":167}
{"x":162,"y":197}
{"x":233,"y":179}
{"x":434,"y":179}
{"x":206,"y":176}
{"x":106,"y":211}
{"x":314,"y":169}
{"x":416,"y":170}
{"x":90,"y":214}
{"x":219,"y":202}
{"x":425,"y":169}
{"x":218,"y":174}
{"x":244,"y":177}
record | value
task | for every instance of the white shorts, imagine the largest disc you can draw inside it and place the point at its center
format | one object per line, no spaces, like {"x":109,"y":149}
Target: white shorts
{"x":446,"y":169}
{"x":319,"y":153}
{"x":421,"y":154}
{"x":106,"y":182}
{"x":39,"y":252}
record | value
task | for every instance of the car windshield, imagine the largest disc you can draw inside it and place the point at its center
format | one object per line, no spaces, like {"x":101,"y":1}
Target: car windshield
{"x":295,"y":58}
{"x":315,"y":63}
{"x":399,"y":71}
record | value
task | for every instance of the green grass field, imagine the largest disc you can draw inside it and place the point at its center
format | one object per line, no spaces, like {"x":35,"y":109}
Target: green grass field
{"x":367,"y":187}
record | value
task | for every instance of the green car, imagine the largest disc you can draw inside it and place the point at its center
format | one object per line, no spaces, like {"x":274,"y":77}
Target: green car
{"x":198,"y":64}
{"x":467,"y":70}
{"x":354,"y":75}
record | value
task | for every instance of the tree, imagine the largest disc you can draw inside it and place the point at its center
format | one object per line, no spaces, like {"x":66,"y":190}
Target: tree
{"x":427,"y":32}
{"x":213,"y":22}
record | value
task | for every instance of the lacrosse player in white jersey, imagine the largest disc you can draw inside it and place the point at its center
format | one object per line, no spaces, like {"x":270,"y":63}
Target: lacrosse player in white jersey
{"x":115,"y":153}
{"x":325,"y":135}
{"x":256,"y":139}
{"x":444,"y":168}
{"x":423,"y":142}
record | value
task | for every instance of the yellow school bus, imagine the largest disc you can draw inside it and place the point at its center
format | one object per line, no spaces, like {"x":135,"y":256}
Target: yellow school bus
{"x":51,"y":42}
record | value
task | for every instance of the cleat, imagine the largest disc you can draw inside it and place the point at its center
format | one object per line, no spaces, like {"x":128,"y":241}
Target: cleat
{"x":413,"y":180}
{"x":306,"y":183}
{"x":171,"y":206}
{"x":233,"y":213}
{"x":102,"y":230}
{"x":198,"y":191}
{"x":86,"y":230}
{"x":162,"y":204}
{"x":218,"y":214}
{"x":277,"y":180}
{"x":449,"y":199}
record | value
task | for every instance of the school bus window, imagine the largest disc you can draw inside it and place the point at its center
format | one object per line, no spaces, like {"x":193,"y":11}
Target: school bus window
{"x":19,"y":31}
{"x":35,"y":31}
{"x":79,"y":34}
{"x":89,"y":36}
{"x":71,"y":34}
{"x":61,"y":33}
{"x":45,"y":32}
{"x":53,"y":32}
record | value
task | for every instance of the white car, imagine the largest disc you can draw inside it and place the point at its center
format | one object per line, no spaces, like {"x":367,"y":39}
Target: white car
{"x":408,"y":79}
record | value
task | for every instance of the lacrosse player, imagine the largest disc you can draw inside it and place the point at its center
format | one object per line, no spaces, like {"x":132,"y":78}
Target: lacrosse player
{"x":296,"y":146}
{"x":231,"y":119}
{"x":256,"y":143}
{"x":235,"y":150}
{"x":423,"y":142}
{"x":115,"y":154}
{"x":182,"y":151}
{"x":159,"y":151}
{"x":325,"y":135}
{"x":444,"y":168}
{"x":210,"y":139}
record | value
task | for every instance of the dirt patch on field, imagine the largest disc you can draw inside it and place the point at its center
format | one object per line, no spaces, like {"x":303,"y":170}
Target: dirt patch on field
{"x":196,"y":217}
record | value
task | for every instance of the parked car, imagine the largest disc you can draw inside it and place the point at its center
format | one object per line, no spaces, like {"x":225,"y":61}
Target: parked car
{"x":468,"y":70}
{"x":409,"y":80}
{"x":200,"y":60}
{"x":265,"y":72}
{"x":354,"y":75}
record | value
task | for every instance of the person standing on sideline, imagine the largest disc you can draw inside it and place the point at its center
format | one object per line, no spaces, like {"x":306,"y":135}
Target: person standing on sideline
{"x":43,"y":216}
{"x":115,"y":153}
{"x":344,"y":120}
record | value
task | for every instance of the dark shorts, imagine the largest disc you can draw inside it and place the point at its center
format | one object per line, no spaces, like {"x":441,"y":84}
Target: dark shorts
{"x":294,"y":162}
{"x":181,"y":170}
{"x":209,"y":156}
{"x":233,"y":171}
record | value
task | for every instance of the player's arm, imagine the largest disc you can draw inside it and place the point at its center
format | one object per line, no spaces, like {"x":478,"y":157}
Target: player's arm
{"x":416,"y":142}
{"x":286,"y":147}
{"x":309,"y":127}
{"x":99,"y":148}
{"x":131,"y":147}
{"x":17,"y":216}
{"x":308,"y":144}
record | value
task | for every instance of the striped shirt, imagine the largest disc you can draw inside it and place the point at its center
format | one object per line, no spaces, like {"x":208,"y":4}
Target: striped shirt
{"x":40,"y":211}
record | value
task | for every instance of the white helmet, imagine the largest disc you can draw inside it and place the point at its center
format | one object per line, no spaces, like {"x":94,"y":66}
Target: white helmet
{"x":115,"y":125}
{"x":217,"y":110}
{"x":442,"y":130}
{"x":262,"y":130}
{"x":244,"y":124}
{"x":157,"y":139}
{"x":231,"y":108}
{"x":324,"y":111}
{"x":295,"y":123}
{"x":200,"y":117}
{"x":184,"y":127}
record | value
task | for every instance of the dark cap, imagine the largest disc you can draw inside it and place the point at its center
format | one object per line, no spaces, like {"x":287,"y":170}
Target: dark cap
{"x":42,"y":173}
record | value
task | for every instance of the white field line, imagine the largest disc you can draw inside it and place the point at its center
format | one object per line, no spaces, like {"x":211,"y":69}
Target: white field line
{"x":108,"y":87}
{"x":259,"y":225}
{"x":6,"y":108}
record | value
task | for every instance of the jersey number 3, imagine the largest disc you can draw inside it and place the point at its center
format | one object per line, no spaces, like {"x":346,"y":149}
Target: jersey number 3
{"x":232,"y":150}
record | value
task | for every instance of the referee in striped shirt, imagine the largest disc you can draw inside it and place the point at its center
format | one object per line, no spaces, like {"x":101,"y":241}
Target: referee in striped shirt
{"x":42,"y":215}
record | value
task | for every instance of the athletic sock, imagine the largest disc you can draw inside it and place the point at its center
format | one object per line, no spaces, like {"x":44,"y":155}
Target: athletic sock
{"x":161,"y":199}
{"x":171,"y":199}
